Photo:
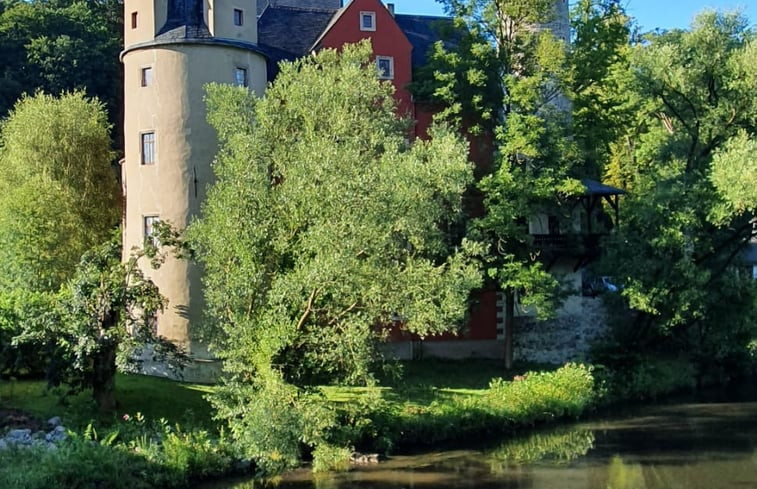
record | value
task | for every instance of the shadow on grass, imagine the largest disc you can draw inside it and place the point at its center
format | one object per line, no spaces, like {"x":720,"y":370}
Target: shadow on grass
{"x":155,"y":398}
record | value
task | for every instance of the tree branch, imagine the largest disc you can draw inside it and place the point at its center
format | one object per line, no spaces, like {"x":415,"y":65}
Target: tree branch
{"x":308,"y":309}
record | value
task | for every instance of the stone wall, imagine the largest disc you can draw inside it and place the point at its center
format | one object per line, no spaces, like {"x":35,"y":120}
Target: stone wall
{"x":568,"y":337}
{"x":579,"y":322}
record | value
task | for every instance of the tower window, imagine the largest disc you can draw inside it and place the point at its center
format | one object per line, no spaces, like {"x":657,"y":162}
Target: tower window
{"x":149,"y":228}
{"x":146,"y":78}
{"x":385,"y":66}
{"x":367,"y":21}
{"x":134,"y":20}
{"x":147,"y":140}
{"x":240,"y":77}
{"x":238,"y":17}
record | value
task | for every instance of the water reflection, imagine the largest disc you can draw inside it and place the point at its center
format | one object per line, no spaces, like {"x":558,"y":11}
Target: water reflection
{"x":692,"y":446}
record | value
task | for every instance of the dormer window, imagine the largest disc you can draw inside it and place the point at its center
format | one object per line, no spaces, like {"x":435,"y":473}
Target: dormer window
{"x":238,"y":17}
{"x":367,"y":21}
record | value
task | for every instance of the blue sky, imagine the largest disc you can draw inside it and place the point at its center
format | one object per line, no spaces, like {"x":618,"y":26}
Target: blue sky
{"x":650,"y":14}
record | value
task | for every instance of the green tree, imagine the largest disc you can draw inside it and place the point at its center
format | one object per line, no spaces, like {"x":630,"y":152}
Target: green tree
{"x":599,"y":59}
{"x":61,"y":45}
{"x":688,"y":219}
{"x":507,"y":78}
{"x":322,"y":231}
{"x":102,"y":319}
{"x":58,"y":192}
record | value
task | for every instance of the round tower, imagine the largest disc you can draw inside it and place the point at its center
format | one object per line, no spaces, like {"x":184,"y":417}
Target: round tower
{"x":172,"y":49}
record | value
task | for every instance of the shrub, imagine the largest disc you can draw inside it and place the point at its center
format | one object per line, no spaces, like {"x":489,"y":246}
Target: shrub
{"x":649,"y":378}
{"x":77,"y":463}
{"x":27,"y":354}
{"x":540,"y":396}
{"x":327,"y":457}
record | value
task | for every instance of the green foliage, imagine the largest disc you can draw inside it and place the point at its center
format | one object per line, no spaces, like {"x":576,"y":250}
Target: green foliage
{"x":101,"y":319}
{"x":505,"y":80}
{"x":330,"y":458}
{"x":734,"y":167}
{"x":647,"y":377}
{"x":505,"y":406}
{"x":59,"y":46}
{"x":77,"y":464}
{"x":58,"y":191}
{"x":135,"y":454}
{"x":566,"y":392}
{"x":692,"y":120}
{"x":324,"y":225}
{"x":17,"y":308}
{"x":272,"y":422}
{"x":599,"y":60}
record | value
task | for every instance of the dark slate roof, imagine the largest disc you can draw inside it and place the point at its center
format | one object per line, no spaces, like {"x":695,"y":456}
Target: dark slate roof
{"x":287,"y":33}
{"x":594,"y":187}
{"x":423,"y":31}
{"x":184,"y":20}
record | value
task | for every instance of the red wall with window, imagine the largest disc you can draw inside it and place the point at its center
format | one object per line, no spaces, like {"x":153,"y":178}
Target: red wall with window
{"x":387,"y":40}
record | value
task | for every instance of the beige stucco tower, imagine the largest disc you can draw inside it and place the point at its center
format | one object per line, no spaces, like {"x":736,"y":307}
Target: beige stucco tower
{"x":172,"y":49}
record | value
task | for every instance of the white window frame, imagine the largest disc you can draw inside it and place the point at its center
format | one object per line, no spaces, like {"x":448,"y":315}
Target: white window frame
{"x":245,"y":82}
{"x":238,"y":17}
{"x":382,"y":74}
{"x":147,"y":157}
{"x":148,"y":228}
{"x":145,"y":76}
{"x":372,"y":15}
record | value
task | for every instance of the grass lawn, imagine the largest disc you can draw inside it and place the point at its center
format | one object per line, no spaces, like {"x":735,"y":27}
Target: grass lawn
{"x":423,"y":383}
{"x":154,"y":397}
{"x":427,"y":381}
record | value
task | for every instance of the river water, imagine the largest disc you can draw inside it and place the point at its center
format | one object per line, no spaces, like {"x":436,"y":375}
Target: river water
{"x":685,"y":445}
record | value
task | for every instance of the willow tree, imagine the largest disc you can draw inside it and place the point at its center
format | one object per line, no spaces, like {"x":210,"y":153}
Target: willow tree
{"x":58,"y":191}
{"x":322,"y":231}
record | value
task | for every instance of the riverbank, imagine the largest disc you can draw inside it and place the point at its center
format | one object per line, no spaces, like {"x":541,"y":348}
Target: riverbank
{"x":164,"y":444}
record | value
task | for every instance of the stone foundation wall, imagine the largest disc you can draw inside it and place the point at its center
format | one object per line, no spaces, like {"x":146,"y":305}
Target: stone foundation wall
{"x":568,"y":337}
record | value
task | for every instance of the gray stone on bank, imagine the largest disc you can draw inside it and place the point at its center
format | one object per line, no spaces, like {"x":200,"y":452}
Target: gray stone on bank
{"x":19,"y":437}
{"x":24,"y":438}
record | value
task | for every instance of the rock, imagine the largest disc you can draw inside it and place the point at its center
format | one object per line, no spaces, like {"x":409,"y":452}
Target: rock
{"x":54,"y":422}
{"x":56,"y":435}
{"x":19,"y":437}
{"x":364,"y":458}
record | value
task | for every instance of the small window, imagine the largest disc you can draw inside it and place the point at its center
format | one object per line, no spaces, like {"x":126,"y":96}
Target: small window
{"x":146,"y":78}
{"x":134,"y":20}
{"x":149,"y":229}
{"x":238,"y":17}
{"x":240,"y":77}
{"x":367,"y":21}
{"x":147,"y":141}
{"x":385,"y":66}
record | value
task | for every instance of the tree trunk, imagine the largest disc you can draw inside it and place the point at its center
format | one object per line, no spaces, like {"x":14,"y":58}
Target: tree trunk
{"x":509,"y":326}
{"x":104,"y":378}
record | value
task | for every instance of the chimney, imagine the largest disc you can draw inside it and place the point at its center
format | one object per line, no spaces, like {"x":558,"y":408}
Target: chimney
{"x":390,"y":8}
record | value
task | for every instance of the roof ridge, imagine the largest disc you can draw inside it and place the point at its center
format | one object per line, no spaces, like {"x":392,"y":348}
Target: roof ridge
{"x":303,"y":9}
{"x":424,"y":16}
